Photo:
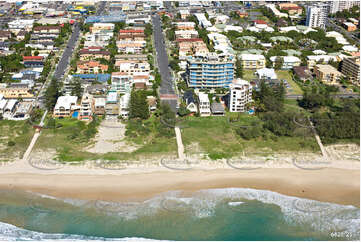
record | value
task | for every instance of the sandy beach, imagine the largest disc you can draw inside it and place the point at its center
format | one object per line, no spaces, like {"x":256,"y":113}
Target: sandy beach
{"x":329,"y":185}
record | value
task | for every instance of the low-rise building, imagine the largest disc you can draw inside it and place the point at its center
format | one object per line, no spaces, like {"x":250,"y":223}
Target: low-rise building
{"x":349,"y":26}
{"x":47,"y":29}
{"x":184,"y":13}
{"x":16,"y":92}
{"x":101,"y":26}
{"x":64,"y":106}
{"x":266,"y":74}
{"x":86,"y":67}
{"x":302,"y":73}
{"x":185,"y":25}
{"x":312,"y":60}
{"x":240,"y":93}
{"x":99,"y":106}
{"x":124,"y":105}
{"x":288,"y":62}
{"x":327,"y":74}
{"x":86,"y":107}
{"x":132,"y":67}
{"x":351,"y":68}
{"x":92,"y":53}
{"x":251,"y":61}
{"x":186,"y":34}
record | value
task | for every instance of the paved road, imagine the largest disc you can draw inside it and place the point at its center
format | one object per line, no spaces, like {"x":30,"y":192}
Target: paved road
{"x":69,"y":49}
{"x":101,"y":8}
{"x":351,"y":95}
{"x":166,"y":86}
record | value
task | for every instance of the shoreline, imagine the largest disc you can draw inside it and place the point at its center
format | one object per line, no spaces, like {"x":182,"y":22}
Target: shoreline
{"x":341,"y":186}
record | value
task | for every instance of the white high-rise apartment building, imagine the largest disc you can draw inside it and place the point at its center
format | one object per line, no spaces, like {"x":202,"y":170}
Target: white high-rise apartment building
{"x":240,"y":94}
{"x":317,"y":15}
{"x":336,"y":6}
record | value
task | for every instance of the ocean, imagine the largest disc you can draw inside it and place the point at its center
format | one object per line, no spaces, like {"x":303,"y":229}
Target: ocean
{"x":215,"y":214}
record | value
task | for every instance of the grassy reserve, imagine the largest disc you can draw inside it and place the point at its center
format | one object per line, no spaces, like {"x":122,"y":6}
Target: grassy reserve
{"x":15,"y":137}
{"x":70,"y":137}
{"x":217,"y":137}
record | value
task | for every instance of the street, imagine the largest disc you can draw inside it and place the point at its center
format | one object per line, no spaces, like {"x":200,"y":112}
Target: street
{"x":166,"y":86}
{"x":350,"y":95}
{"x":69,"y":49}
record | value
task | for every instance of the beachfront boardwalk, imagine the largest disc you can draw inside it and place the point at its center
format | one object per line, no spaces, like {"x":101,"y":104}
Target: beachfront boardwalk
{"x":179,"y":143}
{"x":318,"y":139}
{"x":35,"y":138}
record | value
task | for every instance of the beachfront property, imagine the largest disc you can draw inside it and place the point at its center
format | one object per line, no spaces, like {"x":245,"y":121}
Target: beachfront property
{"x":124,"y":105}
{"x":86,"y":107}
{"x":204,"y":105}
{"x":240,"y":94}
{"x":64,"y":106}
{"x":327,"y":74}
{"x":211,"y":71}
{"x":252,"y":61}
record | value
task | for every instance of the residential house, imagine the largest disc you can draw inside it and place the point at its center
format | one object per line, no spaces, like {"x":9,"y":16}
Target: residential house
{"x":217,"y":109}
{"x":99,"y":106}
{"x":64,"y":106}
{"x":266,"y":74}
{"x":152,"y":103}
{"x":184,"y":13}
{"x":240,"y":94}
{"x":4,"y":35}
{"x":21,"y":35}
{"x":112,"y":106}
{"x":85,"y":67}
{"x":204,"y":104}
{"x":288,"y":62}
{"x":327,"y":74}
{"x":252,"y":61}
{"x":302,"y":73}
{"x":190,"y":101}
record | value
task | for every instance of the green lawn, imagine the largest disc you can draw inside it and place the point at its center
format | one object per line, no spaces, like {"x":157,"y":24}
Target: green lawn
{"x":286,"y":75}
{"x":248,"y":75}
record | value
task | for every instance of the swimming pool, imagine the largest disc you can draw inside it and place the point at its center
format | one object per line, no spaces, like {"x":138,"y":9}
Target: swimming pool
{"x":75,"y":114}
